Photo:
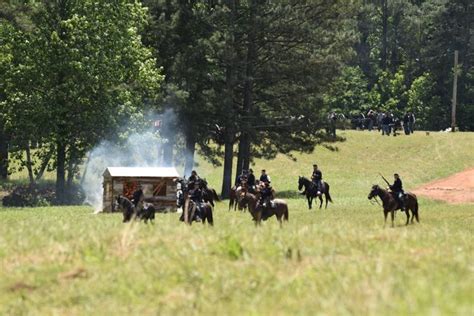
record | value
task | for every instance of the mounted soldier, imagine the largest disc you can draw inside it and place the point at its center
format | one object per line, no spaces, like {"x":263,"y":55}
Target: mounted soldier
{"x":266,"y":196}
{"x":264,"y":177}
{"x":317,"y":178}
{"x":194,"y":176}
{"x":195,"y":194}
{"x":251,"y":181}
{"x":241,"y":179}
{"x":137,"y":198}
{"x":397,"y":190}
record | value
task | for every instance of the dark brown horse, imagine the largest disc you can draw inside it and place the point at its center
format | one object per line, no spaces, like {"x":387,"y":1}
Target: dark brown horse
{"x":312,"y":191}
{"x":208,"y":193}
{"x":234,"y":198}
{"x":390,"y":204}
{"x":279,"y":208}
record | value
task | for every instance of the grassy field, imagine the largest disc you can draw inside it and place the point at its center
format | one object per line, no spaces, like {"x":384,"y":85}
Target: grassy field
{"x":339,"y":261}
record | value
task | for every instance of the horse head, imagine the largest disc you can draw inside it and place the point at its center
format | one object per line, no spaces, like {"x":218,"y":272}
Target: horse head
{"x":374,"y":191}
{"x":300,"y":182}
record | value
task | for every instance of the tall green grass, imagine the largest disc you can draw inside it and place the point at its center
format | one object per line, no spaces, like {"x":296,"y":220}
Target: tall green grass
{"x":339,"y":261}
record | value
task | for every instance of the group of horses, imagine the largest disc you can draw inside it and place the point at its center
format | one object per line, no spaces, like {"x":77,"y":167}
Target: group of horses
{"x":244,"y":198}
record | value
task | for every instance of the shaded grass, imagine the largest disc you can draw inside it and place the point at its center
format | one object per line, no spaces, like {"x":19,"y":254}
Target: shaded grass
{"x":340,"y":261}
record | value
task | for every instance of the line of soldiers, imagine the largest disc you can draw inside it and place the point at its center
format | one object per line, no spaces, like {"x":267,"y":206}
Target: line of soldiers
{"x":247,"y":179}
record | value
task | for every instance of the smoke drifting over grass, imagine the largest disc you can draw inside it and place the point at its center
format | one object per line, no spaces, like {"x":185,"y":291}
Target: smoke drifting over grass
{"x":139,"y":150}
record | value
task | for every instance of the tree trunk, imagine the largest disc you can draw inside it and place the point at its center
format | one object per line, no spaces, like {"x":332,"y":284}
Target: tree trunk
{"x":61,"y":173}
{"x":228,"y":160}
{"x":29,"y":164}
{"x":44,"y":165}
{"x":189,"y":155}
{"x":384,"y":50}
{"x":70,"y":174}
{"x":3,"y":153}
{"x":245,"y":141}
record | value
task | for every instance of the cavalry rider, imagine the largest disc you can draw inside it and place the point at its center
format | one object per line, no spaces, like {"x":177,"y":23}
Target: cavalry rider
{"x":251,"y":180}
{"x":266,"y":196}
{"x":137,"y":198}
{"x":241,"y":178}
{"x":193,"y":177}
{"x":397,"y":190}
{"x":195,"y":194}
{"x":264,"y":177}
{"x":317,"y":178}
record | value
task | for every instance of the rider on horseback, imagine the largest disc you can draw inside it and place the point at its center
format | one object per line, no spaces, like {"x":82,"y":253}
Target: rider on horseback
{"x":137,"y":198}
{"x":241,"y":179}
{"x":266,"y":196}
{"x":194,"y":176}
{"x":317,"y":177}
{"x":251,"y":181}
{"x":397,"y":190}
{"x":195,"y":195}
{"x":264,"y":177}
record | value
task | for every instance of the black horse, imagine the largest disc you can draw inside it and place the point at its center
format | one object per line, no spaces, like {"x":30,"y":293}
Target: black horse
{"x":312,"y":191}
{"x":146,"y":214}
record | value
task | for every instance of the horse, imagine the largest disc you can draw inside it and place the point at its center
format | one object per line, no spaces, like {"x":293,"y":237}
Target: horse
{"x":189,"y":207}
{"x":234,"y":198}
{"x":189,"y":210}
{"x":312,"y":192}
{"x":208,"y":194}
{"x":147,"y":213}
{"x":279,"y":208}
{"x":129,"y":212}
{"x":390,"y":204}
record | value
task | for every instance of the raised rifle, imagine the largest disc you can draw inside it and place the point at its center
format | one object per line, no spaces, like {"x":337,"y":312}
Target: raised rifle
{"x":385,"y":180}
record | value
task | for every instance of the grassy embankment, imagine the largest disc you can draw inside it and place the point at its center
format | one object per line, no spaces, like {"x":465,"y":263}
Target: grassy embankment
{"x":66,"y":261}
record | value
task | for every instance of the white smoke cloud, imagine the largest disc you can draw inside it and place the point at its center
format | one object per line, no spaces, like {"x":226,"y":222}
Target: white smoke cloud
{"x":140,"y":150}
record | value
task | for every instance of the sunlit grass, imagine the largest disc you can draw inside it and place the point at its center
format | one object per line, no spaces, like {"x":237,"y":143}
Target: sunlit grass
{"x":339,"y":261}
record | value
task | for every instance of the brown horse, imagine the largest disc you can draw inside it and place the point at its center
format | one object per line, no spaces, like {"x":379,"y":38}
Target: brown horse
{"x":390,"y":204}
{"x":189,"y":209}
{"x":235,"y":193}
{"x":279,"y":208}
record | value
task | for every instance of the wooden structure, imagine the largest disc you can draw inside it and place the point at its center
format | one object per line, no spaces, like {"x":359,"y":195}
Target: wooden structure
{"x":158,"y":185}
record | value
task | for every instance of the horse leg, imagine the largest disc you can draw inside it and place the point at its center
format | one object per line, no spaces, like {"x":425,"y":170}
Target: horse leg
{"x":326,"y":196}
{"x":310,"y":201}
{"x":408,"y":216}
{"x":392,"y":214}
{"x":320,"y":201}
{"x":210,"y":219}
{"x":258,"y":220}
{"x":385,"y":213}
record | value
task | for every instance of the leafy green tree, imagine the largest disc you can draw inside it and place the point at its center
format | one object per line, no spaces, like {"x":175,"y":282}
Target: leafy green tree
{"x":83,"y":73}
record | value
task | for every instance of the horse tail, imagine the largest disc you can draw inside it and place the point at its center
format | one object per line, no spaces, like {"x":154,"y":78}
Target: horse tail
{"x":214,"y":193}
{"x":328,"y":196}
{"x":285,"y":213}
{"x":416,"y":210}
{"x":210,"y":219}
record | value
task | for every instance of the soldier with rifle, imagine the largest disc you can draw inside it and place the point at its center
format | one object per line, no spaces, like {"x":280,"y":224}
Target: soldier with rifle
{"x":397,"y":189}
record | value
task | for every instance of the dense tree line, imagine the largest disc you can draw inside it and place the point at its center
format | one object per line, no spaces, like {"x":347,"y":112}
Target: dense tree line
{"x":246,"y":79}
